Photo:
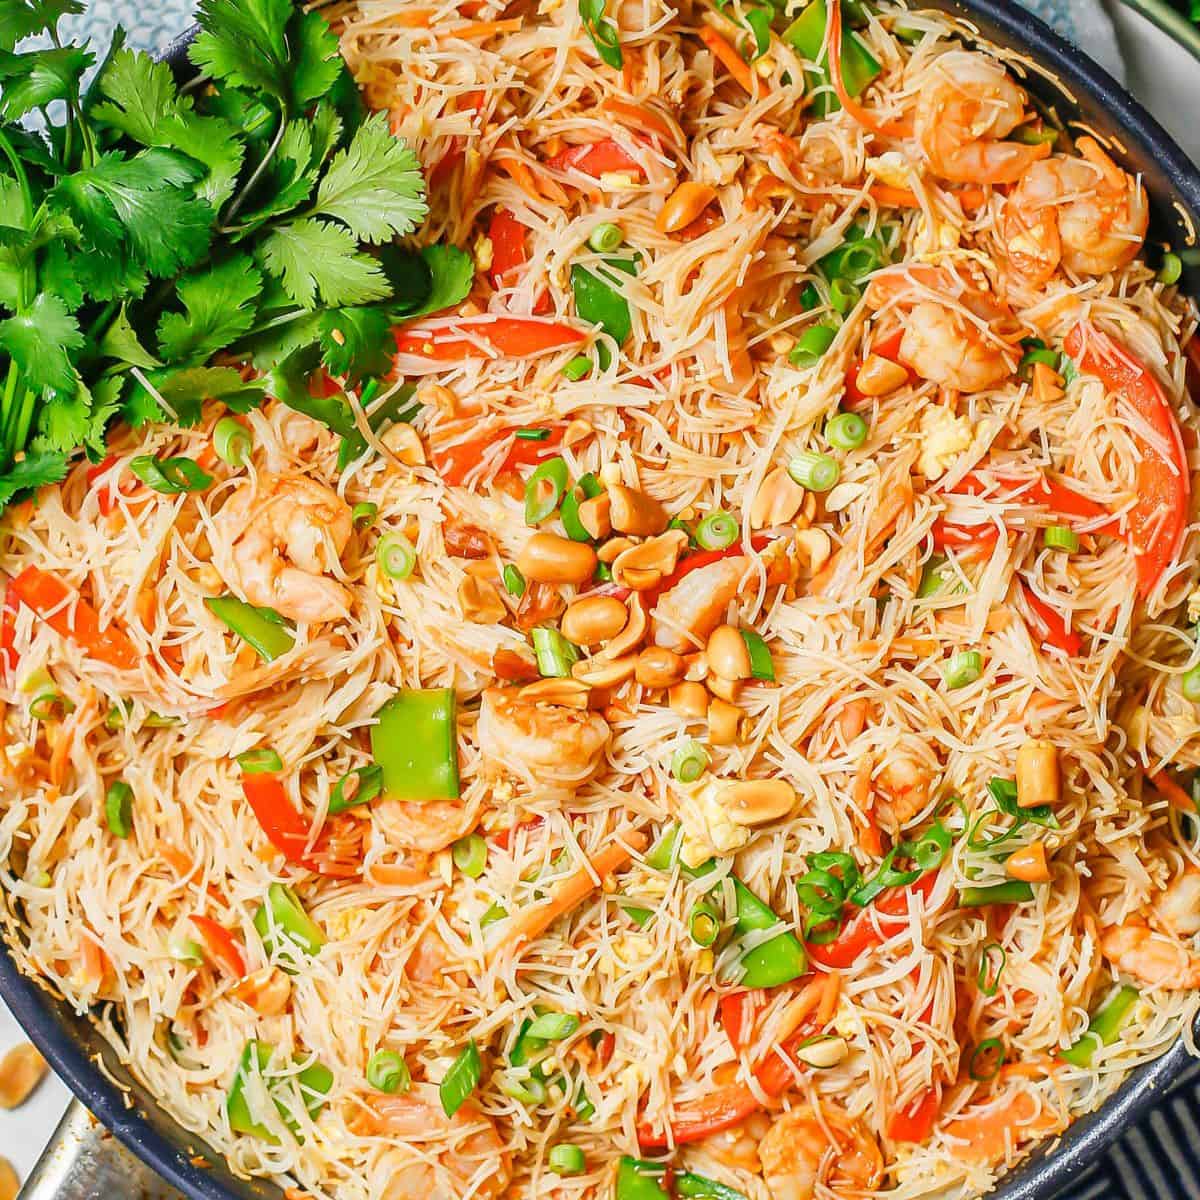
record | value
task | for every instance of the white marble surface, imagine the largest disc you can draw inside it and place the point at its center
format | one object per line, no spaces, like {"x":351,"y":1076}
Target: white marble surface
{"x":1160,"y":74}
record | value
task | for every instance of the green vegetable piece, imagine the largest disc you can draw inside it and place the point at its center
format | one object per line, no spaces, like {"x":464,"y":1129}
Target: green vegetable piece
{"x":704,"y":923}
{"x":363,"y":514}
{"x":598,"y":302}
{"x":846,"y":431}
{"x":231,"y":440}
{"x":991,"y":966}
{"x":717,"y":531}
{"x":1013,"y":891}
{"x":555,"y":655}
{"x":963,"y":669}
{"x":514,"y":581}
{"x":314,"y":1084}
{"x":566,"y":1159}
{"x":396,"y":556}
{"x":415,"y":741}
{"x":470,"y":855}
{"x":814,"y":472}
{"x":262,"y":761}
{"x":1060,"y":537}
{"x":260,"y":628}
{"x":1103,"y":1027}
{"x":118,"y":808}
{"x":775,"y":961}
{"x":388,"y":1072}
{"x":577,"y":368}
{"x":461,"y":1080}
{"x":806,"y":35}
{"x":281,"y":918}
{"x":603,"y":33}
{"x":170,"y":476}
{"x":689,"y":762}
{"x":638,"y":1180}
{"x":1189,"y":684}
{"x":640,"y":916}
{"x":811,"y":345}
{"x":762,"y":666}
{"x":544,"y":489}
{"x":360,"y":786}
{"x":606,"y":237}
{"x":1171,"y":270}
{"x":588,"y":488}
{"x":553,"y":1026}
{"x":986,"y":1060}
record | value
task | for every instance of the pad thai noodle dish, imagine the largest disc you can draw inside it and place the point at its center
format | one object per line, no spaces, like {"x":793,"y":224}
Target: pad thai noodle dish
{"x":621,"y":621}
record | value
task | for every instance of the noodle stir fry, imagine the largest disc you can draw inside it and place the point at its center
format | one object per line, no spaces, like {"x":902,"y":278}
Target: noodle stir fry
{"x":728,"y":727}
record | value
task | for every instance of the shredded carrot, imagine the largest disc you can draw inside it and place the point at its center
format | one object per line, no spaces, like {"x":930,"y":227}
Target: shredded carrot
{"x":1031,"y":1068}
{"x":414,"y":18}
{"x":868,"y":120}
{"x":482,"y":29}
{"x":643,"y":118}
{"x":522,"y":175}
{"x":830,"y":993}
{"x":173,"y":857}
{"x":1172,"y":792}
{"x":807,"y":1001}
{"x":870,"y":839}
{"x":535,"y":920}
{"x":729,"y":58}
{"x":95,"y":967}
{"x":987,"y":1136}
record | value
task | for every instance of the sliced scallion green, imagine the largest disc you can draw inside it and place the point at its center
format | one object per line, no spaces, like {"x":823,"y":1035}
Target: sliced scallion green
{"x":544,"y":489}
{"x":553,"y":1026}
{"x":964,"y":668}
{"x":118,"y":808}
{"x":813,"y":471}
{"x":1189,"y":684}
{"x":50,"y":706}
{"x":846,"y":431}
{"x":1060,"y":537}
{"x":689,"y":762}
{"x":717,"y":531}
{"x":555,"y":655}
{"x":388,"y":1072}
{"x":577,"y":368}
{"x":606,"y":237}
{"x":461,"y":1079}
{"x":232,"y":442}
{"x":991,"y":966}
{"x":363,"y":514}
{"x":1171,"y":269}
{"x":537,"y":433}
{"x":843,"y":295}
{"x":261,"y":761}
{"x":566,"y":1159}
{"x":514,"y":581}
{"x":986,"y":1060}
{"x":360,"y":786}
{"x":396,"y":556}
{"x":761,"y":664}
{"x":811,"y":345}
{"x":470,"y":855}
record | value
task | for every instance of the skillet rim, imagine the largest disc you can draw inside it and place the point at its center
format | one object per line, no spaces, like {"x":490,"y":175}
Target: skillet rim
{"x":1050,"y":1166}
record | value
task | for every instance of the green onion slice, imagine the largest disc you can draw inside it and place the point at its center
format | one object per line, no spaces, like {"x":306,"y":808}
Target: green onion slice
{"x":396,"y":556}
{"x":991,"y":966}
{"x":388,"y":1072}
{"x":606,"y":237}
{"x":1171,"y":269}
{"x":577,"y":368}
{"x":811,"y":345}
{"x":717,"y":531}
{"x":1189,"y":684}
{"x":761,"y":664}
{"x":526,"y":1089}
{"x":364,"y":513}
{"x":470,"y":855}
{"x":986,"y":1060}
{"x":544,"y":489}
{"x":461,"y":1080}
{"x":50,"y":706}
{"x":813,"y":471}
{"x":538,"y":433}
{"x":118,"y":808}
{"x":232,"y":442}
{"x":566,"y":1159}
{"x":262,"y":761}
{"x":964,"y":668}
{"x":846,"y":431}
{"x":363,"y":784}
{"x":170,"y":476}
{"x":689,"y":762}
{"x":555,"y":655}
{"x":1060,"y":537}
{"x":553,"y":1026}
{"x":588,"y":488}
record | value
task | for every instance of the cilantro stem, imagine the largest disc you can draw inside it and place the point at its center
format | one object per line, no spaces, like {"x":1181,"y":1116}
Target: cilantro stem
{"x":22,"y":179}
{"x":244,"y":194}
{"x":6,"y":432}
{"x":24,"y":421}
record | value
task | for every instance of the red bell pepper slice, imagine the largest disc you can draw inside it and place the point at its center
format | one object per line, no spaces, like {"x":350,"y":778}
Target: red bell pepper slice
{"x":1053,"y":629}
{"x":596,"y":159}
{"x":507,"y":236}
{"x":864,"y":932}
{"x":963,"y":538}
{"x":220,"y":947}
{"x":737,"y":1011}
{"x":915,"y":1123}
{"x":696,"y":560}
{"x":8,"y":631}
{"x":1158,"y":520}
{"x":72,"y":617}
{"x":286,"y":829}
{"x":889,"y":348}
{"x":510,"y":337}
{"x":454,"y":462}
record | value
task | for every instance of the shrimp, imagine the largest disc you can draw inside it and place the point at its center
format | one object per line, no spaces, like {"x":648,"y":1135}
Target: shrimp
{"x":952,"y":332}
{"x":1178,"y":907}
{"x":962,"y":113}
{"x":803,"y":1149}
{"x":541,"y":743}
{"x":425,"y":825}
{"x":285,"y":518}
{"x":1154,"y":958}
{"x":445,"y":1158}
{"x":696,"y":605}
{"x":907,"y":782}
{"x":1085,"y":213}
{"x":738,"y":1147}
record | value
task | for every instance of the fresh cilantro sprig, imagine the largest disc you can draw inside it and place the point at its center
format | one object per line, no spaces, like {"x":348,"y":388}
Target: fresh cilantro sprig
{"x":151,"y":229}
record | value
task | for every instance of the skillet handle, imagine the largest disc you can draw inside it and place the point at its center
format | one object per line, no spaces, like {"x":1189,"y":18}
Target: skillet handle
{"x":85,"y":1162}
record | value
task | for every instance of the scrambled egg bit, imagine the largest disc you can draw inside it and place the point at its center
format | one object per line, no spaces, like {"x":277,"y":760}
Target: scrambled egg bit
{"x":943,"y":438}
{"x":708,"y":829}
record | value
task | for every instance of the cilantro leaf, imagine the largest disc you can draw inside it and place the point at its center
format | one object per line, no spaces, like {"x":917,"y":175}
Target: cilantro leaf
{"x":35,"y":469}
{"x":105,"y":276}
{"x":140,"y":202}
{"x":184,"y":390}
{"x":356,"y":341}
{"x":317,"y":62}
{"x":220,"y":304}
{"x":121,"y":342}
{"x":75,"y":417}
{"x":374,"y":186}
{"x":20,"y":20}
{"x":36,"y":79}
{"x":244,"y":43}
{"x":143,"y":104}
{"x":40,"y":340}
{"x":452,"y":271}
{"x":57,"y":275}
{"x":318,"y":258}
